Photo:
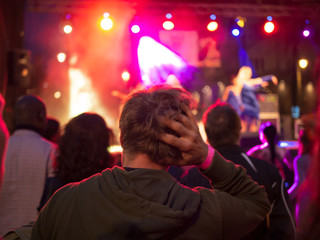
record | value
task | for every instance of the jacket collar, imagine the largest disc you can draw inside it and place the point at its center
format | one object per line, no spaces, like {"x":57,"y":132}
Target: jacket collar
{"x":235,"y":149}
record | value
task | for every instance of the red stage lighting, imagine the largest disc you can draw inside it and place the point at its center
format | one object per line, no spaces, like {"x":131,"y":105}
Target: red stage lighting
{"x":269,"y":27}
{"x":135,"y":28}
{"x":125,"y":76}
{"x":106,"y":23}
{"x":67,"y":28}
{"x":212,"y":26}
{"x":168,"y":25}
{"x":61,"y":57}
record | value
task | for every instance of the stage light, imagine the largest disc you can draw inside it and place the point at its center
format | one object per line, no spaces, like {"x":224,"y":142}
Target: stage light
{"x":106,"y":15}
{"x":235,"y":32}
{"x":106,"y":24}
{"x":303,"y":63}
{"x":213,"y":17}
{"x":240,"y":21}
{"x":68,"y":16}
{"x":269,"y":18}
{"x":212,"y":26}
{"x":125,"y":76}
{"x":57,"y":94}
{"x":168,"y":25}
{"x":61,"y":57}
{"x":135,"y":28}
{"x":67,"y":29}
{"x":306,"y":33}
{"x":115,"y":149}
{"x":310,"y":87}
{"x":268,"y":27}
{"x":168,"y":15}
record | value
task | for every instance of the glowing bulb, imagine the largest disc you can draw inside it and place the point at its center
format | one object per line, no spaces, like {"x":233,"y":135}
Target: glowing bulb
{"x":61,"y":57}
{"x":269,"y":27}
{"x":57,"y":94}
{"x":213,"y":17}
{"x":67,"y":29}
{"x":168,"y":25}
{"x":306,"y":33}
{"x":135,"y":28}
{"x":106,"y":15}
{"x":106,"y":24}
{"x":168,"y":15}
{"x":212,"y":26}
{"x":303,"y":63}
{"x":240,"y":23}
{"x":235,"y":32}
{"x":125,"y":76}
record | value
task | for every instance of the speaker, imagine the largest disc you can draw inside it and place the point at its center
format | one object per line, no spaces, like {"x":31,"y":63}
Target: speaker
{"x":19,"y":68}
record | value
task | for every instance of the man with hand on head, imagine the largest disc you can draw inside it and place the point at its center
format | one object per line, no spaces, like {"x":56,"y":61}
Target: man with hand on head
{"x":142,"y":200}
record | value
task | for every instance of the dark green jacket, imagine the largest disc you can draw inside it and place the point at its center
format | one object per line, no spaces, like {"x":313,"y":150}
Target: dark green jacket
{"x":151,"y":204}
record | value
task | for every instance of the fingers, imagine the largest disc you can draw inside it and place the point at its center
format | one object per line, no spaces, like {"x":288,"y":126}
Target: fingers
{"x":190,"y":115}
{"x":172,"y":140}
{"x":180,"y":124}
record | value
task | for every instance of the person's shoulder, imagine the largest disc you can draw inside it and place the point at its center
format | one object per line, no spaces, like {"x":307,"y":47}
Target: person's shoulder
{"x":265,"y":168}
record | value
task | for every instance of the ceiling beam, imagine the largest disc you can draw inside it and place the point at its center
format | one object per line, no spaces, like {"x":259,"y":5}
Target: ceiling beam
{"x":312,"y":10}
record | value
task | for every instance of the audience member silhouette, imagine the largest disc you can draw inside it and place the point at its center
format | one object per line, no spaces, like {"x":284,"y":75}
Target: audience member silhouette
{"x":82,"y":152}
{"x":308,"y":202}
{"x":223,"y":126}
{"x":4,"y":135}
{"x":141,"y":200}
{"x":269,"y":150}
{"x":28,"y":160}
{"x":52,"y":132}
{"x":301,"y":163}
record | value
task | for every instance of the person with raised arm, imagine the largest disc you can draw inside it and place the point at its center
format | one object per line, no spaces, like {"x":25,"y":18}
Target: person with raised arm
{"x":141,"y":200}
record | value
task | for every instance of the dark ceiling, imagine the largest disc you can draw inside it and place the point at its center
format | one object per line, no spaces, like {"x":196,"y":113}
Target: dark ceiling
{"x":279,"y":8}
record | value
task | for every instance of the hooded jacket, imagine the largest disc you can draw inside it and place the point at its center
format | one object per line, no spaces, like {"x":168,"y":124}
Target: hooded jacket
{"x":151,"y":204}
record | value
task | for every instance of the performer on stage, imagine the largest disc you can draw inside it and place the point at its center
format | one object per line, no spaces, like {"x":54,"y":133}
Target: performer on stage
{"x":241,"y":95}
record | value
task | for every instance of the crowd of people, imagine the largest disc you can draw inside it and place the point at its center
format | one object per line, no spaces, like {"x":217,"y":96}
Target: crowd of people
{"x":62,"y":183}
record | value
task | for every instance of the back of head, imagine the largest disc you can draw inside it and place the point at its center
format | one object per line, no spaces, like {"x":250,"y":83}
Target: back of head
{"x":222,"y":125}
{"x":83,"y":148}
{"x":270,"y":133}
{"x":30,"y":111}
{"x":139,"y":123}
{"x":52,"y":132}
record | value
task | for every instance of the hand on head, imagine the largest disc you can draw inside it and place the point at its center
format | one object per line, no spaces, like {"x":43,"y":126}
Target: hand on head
{"x":190,"y":143}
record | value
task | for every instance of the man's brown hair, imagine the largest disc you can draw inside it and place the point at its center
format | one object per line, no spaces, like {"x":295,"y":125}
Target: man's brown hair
{"x":139,"y":123}
{"x":222,"y":125}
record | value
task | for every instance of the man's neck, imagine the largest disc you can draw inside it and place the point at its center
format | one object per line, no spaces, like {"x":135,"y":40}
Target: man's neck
{"x":141,"y":161}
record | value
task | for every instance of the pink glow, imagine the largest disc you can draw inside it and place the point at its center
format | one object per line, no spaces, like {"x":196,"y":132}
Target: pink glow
{"x":306,"y":33}
{"x":155,"y":60}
